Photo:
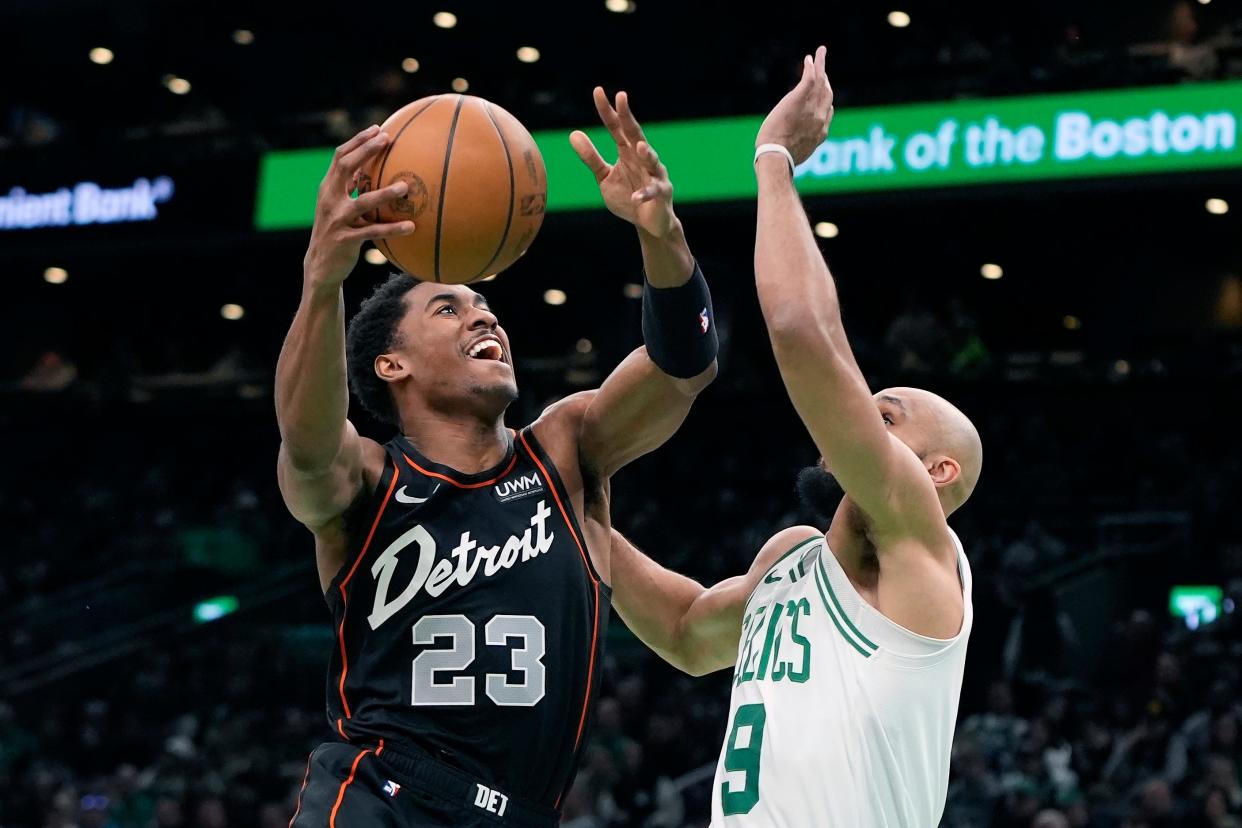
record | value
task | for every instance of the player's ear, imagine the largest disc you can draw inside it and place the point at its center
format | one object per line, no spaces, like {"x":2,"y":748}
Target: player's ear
{"x":944,"y":471}
{"x":391,"y":367}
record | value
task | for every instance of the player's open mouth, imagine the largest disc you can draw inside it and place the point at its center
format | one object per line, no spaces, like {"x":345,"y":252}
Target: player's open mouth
{"x":488,"y":348}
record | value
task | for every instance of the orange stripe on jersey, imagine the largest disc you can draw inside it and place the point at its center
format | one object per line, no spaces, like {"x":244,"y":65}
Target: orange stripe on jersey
{"x":453,"y":482}
{"x":561,"y":506}
{"x":381,"y":748}
{"x":341,"y":730}
{"x":340,"y":796}
{"x":302,"y":790}
{"x":586,"y":696}
{"x":340,"y":632}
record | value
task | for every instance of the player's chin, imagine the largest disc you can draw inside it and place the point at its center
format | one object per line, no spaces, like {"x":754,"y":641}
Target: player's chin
{"x":497,"y":387}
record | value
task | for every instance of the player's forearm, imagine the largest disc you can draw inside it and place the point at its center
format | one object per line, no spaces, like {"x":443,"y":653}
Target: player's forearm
{"x":312,"y":392}
{"x":652,"y":601}
{"x":796,"y":291}
{"x":667,"y":260}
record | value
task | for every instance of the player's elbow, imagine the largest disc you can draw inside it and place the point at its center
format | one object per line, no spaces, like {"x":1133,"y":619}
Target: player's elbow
{"x":700,"y":663}
{"x":693,"y":386}
{"x":799,"y":332}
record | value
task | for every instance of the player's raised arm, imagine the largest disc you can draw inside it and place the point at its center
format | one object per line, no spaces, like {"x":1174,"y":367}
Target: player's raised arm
{"x":321,"y":455}
{"x":800,"y":307}
{"x":692,"y":627}
{"x":647,"y":397}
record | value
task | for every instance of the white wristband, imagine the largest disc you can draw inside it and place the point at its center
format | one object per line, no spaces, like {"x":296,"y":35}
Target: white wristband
{"x":765,"y":148}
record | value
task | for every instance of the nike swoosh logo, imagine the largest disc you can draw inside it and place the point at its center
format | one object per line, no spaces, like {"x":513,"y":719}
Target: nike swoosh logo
{"x":402,"y":497}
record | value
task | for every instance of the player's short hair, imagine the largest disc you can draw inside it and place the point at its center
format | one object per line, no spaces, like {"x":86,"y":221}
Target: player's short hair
{"x":374,"y":330}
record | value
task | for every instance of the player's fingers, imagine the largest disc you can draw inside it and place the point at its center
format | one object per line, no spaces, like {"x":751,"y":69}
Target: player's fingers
{"x":590,"y":156}
{"x":629,"y":124}
{"x":650,"y":159}
{"x":371,"y":232}
{"x":355,"y":142}
{"x":660,"y":189}
{"x":608,"y":115}
{"x":349,"y":163}
{"x":821,"y":55}
{"x":366,"y":202}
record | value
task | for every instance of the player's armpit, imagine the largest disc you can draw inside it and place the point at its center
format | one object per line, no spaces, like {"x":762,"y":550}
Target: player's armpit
{"x":635,"y":411}
{"x":317,"y":498}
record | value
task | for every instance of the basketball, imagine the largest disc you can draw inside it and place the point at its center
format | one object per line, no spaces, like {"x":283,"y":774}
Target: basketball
{"x":477,"y":188}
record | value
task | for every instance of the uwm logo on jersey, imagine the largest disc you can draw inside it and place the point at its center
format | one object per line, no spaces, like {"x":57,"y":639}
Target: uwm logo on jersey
{"x":518,"y":487}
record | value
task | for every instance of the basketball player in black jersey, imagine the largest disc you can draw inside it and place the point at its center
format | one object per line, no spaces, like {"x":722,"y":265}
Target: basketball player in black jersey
{"x":466,"y":565}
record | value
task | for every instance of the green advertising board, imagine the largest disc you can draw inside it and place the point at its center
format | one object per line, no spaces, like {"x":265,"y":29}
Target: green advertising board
{"x":1152,"y":130}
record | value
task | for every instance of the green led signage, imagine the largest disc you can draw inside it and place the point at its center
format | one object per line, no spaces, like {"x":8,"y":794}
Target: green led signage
{"x":958,"y":143}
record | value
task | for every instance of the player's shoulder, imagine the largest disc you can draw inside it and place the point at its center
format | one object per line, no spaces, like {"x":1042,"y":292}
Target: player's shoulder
{"x":561,"y":421}
{"x":783,"y":543}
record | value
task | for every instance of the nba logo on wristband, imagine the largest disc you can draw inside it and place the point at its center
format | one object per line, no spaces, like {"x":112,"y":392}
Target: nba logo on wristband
{"x":704,"y":322}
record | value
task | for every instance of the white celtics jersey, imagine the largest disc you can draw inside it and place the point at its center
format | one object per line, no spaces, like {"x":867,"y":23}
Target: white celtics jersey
{"x":839,"y":717}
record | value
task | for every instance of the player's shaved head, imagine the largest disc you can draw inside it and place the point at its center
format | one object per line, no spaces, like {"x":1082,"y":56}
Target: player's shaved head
{"x":935,"y":428}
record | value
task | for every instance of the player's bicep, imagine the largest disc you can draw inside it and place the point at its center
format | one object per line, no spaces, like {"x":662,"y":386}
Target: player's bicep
{"x":834,"y":403}
{"x":318,"y":497}
{"x":635,"y":411}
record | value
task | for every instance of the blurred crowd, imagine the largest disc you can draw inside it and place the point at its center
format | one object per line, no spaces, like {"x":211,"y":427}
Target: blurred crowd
{"x":1085,"y":703}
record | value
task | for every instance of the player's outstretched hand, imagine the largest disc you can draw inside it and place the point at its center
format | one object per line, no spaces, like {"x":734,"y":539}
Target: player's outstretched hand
{"x":636,"y":188}
{"x":343,"y":223}
{"x":799,"y":122}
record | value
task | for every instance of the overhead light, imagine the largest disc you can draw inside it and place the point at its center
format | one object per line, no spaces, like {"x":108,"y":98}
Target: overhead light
{"x":374,"y":256}
{"x":620,"y":6}
{"x":1071,"y":322}
{"x":633,"y":290}
{"x":991,"y":271}
{"x":1217,"y":206}
{"x":1122,"y":367}
{"x":410,"y":65}
{"x":101,"y":55}
{"x":898,"y":19}
{"x":528,"y":54}
{"x":243,"y":37}
{"x":445,"y":20}
{"x":177,"y":86}
{"x":827,"y":230}
{"x":1204,"y":2}
{"x":584,"y":346}
{"x":55,"y":275}
{"x":553,"y":296}
{"x":232,"y":312}
{"x":460,"y":84}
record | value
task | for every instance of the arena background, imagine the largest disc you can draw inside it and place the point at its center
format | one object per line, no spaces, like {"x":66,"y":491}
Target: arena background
{"x":162,"y":641}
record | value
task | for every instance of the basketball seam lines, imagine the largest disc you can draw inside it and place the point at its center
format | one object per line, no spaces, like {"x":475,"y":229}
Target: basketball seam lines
{"x":383,"y":163}
{"x":448,"y":153}
{"x":504,"y":237}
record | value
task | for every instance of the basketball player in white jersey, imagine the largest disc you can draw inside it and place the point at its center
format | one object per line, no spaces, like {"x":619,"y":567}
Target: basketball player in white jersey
{"x":848,"y":646}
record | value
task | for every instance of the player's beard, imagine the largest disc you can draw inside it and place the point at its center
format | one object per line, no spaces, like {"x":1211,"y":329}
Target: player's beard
{"x":820,"y":494}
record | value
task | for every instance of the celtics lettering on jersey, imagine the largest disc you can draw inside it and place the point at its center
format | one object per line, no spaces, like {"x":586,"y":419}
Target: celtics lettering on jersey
{"x":772,"y":647}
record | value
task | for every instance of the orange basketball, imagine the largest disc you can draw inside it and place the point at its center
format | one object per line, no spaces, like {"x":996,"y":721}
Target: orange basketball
{"x":477,"y":188}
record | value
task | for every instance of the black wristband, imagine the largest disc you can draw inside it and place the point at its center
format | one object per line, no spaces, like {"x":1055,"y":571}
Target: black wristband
{"x":679,"y":326}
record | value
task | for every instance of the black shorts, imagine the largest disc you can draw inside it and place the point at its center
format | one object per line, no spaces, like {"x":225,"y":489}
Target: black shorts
{"x":359,"y":786}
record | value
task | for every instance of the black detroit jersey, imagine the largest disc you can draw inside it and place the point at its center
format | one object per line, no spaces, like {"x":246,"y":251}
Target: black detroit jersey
{"x":469,"y":620}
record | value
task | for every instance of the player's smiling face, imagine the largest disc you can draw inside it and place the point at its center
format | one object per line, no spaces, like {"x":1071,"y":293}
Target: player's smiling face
{"x":456,"y":345}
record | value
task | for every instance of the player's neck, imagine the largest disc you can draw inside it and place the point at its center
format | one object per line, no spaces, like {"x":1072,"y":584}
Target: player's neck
{"x":849,"y":538}
{"x":467,"y":444}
